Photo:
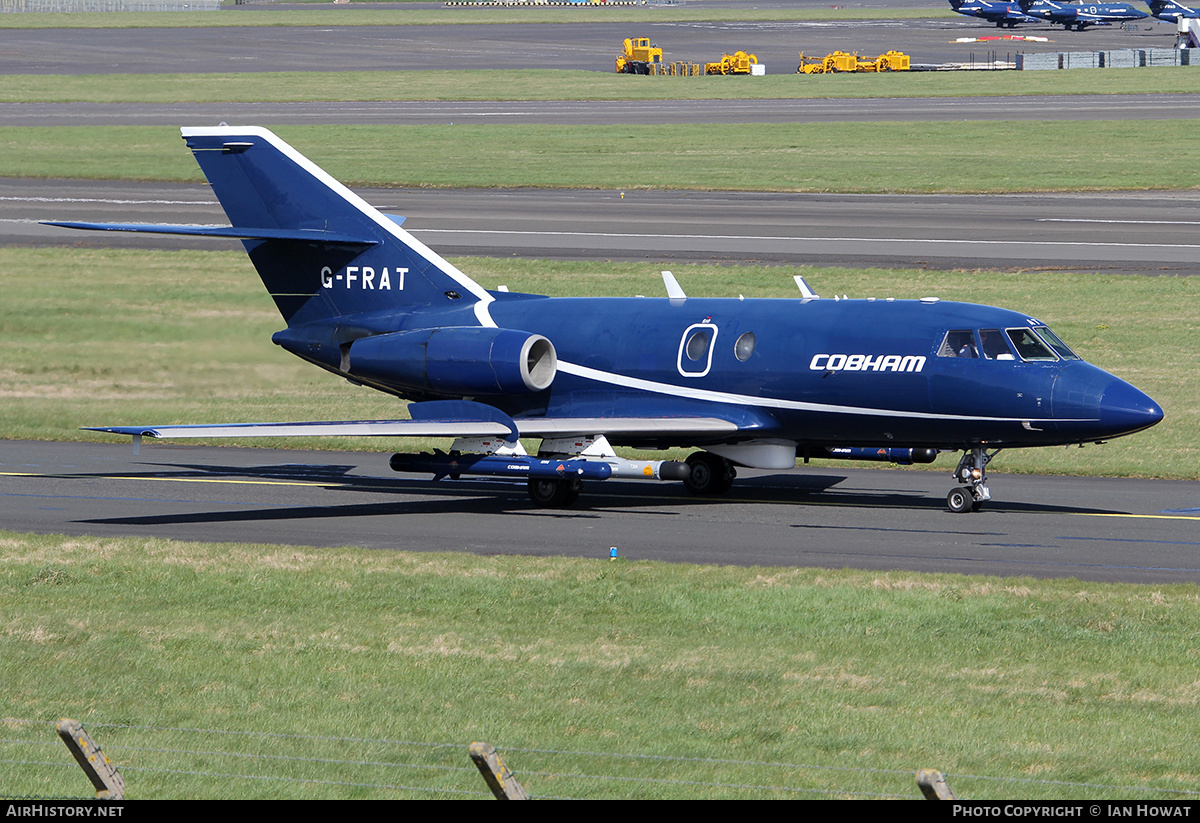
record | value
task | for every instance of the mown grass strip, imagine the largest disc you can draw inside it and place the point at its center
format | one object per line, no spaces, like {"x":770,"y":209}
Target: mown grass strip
{"x":566,"y":84}
{"x":139,"y":338}
{"x":380,"y":667}
{"x":847,"y":157}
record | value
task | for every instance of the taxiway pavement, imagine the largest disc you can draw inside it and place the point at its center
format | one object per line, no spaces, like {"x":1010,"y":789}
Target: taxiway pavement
{"x":1088,"y":528}
{"x":589,"y":45}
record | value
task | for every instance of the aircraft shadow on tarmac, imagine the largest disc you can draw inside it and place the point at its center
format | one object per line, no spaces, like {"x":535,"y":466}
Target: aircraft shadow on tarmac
{"x":481,"y":496}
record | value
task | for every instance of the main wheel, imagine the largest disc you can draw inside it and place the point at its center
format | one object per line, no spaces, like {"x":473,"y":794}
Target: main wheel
{"x":554,"y":494}
{"x":960,"y":500}
{"x":710,"y":474}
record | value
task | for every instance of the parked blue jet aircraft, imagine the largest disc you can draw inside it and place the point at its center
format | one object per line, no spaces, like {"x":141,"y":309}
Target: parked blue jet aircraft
{"x":1171,"y":10}
{"x":994,"y":11}
{"x":1080,"y":16}
{"x":756,"y":383}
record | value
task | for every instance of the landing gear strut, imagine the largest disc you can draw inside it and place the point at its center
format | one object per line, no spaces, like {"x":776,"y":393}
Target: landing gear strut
{"x":972,"y":472}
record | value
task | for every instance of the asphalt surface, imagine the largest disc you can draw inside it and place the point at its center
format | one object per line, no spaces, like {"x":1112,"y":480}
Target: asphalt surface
{"x":1113,"y":232}
{"x":1092,"y":529}
{"x":588,"y":46}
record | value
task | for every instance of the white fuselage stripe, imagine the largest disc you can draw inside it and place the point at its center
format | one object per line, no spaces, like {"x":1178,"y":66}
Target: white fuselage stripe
{"x":710,"y":396}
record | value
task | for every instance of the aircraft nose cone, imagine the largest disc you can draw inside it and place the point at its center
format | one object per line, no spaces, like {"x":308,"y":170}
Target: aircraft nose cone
{"x":1125,"y":409}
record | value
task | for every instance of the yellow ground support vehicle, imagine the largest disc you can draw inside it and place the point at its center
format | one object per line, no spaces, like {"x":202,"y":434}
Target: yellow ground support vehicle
{"x":893,"y":61}
{"x":737,"y":63}
{"x":640,"y":54}
{"x":837,"y":61}
{"x":841,"y":61}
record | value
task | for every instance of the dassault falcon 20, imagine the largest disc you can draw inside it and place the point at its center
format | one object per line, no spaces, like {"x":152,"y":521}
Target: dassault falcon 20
{"x":755,"y":383}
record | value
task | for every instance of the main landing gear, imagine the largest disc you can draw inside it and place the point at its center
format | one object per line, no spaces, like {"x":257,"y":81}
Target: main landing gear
{"x":972,"y":472}
{"x":554,"y":494}
{"x":710,"y":474}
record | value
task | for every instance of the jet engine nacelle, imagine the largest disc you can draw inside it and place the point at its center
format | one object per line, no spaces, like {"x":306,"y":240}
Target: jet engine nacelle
{"x":457,"y":360}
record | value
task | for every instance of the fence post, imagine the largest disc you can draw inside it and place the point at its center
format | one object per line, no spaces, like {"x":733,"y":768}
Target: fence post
{"x":95,"y":764}
{"x":498,"y":777}
{"x":933,"y":785}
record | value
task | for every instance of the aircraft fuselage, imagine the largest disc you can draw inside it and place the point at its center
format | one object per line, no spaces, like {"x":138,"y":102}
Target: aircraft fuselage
{"x":824,"y":372}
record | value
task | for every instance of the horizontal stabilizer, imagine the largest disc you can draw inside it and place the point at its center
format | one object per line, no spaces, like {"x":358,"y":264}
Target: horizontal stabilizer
{"x":309,"y":235}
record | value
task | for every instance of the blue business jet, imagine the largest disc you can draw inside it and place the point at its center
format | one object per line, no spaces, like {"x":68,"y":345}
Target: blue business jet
{"x":755,"y":383}
{"x":1171,"y":10}
{"x":993,"y":11}
{"x":1079,"y":16}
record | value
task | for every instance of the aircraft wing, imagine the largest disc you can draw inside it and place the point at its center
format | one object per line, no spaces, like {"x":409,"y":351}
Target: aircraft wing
{"x":524,"y":427}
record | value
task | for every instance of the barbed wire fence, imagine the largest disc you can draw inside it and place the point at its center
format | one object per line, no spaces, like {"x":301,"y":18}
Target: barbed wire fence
{"x":233,"y":764}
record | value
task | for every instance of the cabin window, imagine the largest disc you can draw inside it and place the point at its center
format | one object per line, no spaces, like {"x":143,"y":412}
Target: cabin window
{"x":1056,"y":343}
{"x":1029,"y":345}
{"x":695,"y":350}
{"x":744,"y":347}
{"x":958,"y":343}
{"x":697,"y":344}
{"x":995,"y":346}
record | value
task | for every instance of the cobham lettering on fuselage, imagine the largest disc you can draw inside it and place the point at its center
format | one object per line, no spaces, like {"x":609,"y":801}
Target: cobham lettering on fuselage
{"x":751,"y":383}
{"x":866,"y":362}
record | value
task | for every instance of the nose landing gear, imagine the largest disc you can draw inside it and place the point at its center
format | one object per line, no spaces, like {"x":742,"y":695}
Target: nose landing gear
{"x":972,"y":472}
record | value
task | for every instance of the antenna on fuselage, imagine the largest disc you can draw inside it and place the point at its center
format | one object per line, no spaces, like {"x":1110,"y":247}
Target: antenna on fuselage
{"x":805,"y":291}
{"x":674,"y":290}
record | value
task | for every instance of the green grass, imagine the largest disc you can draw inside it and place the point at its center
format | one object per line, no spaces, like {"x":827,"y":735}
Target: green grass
{"x":138,"y":338}
{"x":845,"y":157}
{"x":565,"y":84}
{"x":597,"y":680}
{"x":326,"y":16}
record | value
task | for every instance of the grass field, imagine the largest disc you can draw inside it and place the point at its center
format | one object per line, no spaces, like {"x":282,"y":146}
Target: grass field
{"x":223,"y":671}
{"x":858,"y":157}
{"x":554,"y":84}
{"x":136,"y":338}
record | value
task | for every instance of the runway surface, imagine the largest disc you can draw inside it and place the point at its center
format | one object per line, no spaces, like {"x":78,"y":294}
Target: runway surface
{"x":1118,"y":232}
{"x":1093,"y":529}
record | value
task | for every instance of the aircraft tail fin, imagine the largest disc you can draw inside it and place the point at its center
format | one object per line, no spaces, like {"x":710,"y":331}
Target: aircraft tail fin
{"x":320,"y":249}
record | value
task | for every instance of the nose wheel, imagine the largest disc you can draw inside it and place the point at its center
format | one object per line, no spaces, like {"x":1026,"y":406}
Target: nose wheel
{"x":972,"y":473}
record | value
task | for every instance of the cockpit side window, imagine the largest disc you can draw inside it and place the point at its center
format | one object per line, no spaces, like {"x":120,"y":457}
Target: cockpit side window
{"x":958,"y":343}
{"x":994,"y":345}
{"x":1029,"y":345}
{"x":1056,"y":343}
